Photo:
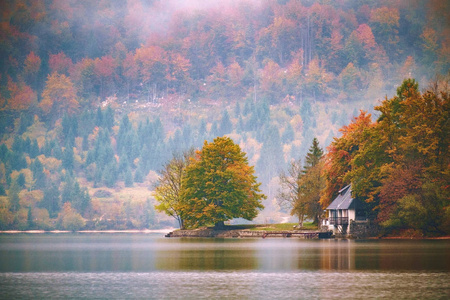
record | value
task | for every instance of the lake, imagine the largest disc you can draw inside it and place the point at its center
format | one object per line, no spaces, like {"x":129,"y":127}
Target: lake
{"x":136,"y":266}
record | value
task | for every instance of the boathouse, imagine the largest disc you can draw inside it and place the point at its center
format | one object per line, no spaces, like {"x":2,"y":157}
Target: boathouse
{"x":343,"y":212}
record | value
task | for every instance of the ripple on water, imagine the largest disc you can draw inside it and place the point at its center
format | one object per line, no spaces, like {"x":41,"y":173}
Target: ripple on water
{"x":226,"y":285}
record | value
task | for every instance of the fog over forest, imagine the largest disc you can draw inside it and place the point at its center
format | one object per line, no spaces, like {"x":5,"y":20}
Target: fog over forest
{"x":97,"y":96}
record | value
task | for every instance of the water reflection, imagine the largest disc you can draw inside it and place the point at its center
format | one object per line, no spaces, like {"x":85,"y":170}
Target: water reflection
{"x":207,"y":254}
{"x":147,"y":253}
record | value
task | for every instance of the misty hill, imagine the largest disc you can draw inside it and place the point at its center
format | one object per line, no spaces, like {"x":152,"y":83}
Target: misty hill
{"x":97,"y":96}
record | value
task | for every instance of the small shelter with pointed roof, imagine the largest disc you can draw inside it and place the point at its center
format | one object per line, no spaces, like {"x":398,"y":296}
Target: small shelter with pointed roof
{"x":343,"y":211}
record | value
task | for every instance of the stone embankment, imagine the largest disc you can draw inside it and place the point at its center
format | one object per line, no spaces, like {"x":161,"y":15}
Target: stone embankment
{"x":242,"y":233}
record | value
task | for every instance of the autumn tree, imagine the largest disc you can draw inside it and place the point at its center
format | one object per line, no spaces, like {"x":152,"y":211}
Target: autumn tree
{"x":316,"y":79}
{"x":70,"y":219}
{"x":169,"y":187}
{"x":31,"y":68}
{"x":340,"y":154}
{"x":60,"y":63}
{"x":178,"y":69}
{"x":152,"y":66}
{"x":415,"y":127}
{"x":104,"y":69}
{"x":385,"y":23}
{"x":235,"y":75}
{"x":220,"y":185}
{"x":398,"y":165}
{"x":21,"y":95}
{"x":58,"y":96}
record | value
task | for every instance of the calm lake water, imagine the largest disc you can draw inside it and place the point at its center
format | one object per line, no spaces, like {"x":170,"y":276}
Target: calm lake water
{"x":127,"y":266}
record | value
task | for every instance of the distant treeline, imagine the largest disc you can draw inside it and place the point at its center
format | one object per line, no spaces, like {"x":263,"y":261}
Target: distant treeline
{"x":62,"y":55}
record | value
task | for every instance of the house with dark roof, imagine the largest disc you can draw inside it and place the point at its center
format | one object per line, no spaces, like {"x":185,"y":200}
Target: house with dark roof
{"x":343,"y":211}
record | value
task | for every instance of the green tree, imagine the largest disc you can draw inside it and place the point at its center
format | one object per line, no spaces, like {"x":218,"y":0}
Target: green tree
{"x":313,"y":156}
{"x":225,"y":124}
{"x":108,"y":118}
{"x":51,"y":201}
{"x":301,"y":186}
{"x":220,"y":185}
{"x":399,"y":164}
{"x":38,"y":174}
{"x":21,"y":180}
{"x":67,"y":159}
{"x":312,"y":182}
{"x":288,"y":134}
{"x":128,"y":177}
{"x":13,"y":196}
{"x":168,"y":191}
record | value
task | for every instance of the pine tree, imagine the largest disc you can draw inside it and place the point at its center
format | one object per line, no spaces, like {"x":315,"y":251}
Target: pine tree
{"x":99,"y":117}
{"x":138,"y":175}
{"x":225,"y":124}
{"x":301,"y":186}
{"x":13,"y":196}
{"x":51,"y":200}
{"x":128,"y":177}
{"x":68,"y":160}
{"x":38,"y":174}
{"x":108,"y":118}
{"x":313,"y":156}
{"x":288,"y":135}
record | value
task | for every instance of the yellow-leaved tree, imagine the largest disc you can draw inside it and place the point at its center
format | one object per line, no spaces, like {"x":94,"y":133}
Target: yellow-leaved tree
{"x":59,"y":96}
{"x":219,"y":185}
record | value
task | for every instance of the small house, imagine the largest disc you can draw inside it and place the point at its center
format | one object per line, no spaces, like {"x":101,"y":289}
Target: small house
{"x":343,"y":211}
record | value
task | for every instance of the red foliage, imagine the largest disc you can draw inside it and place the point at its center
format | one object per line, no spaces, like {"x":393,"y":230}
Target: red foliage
{"x":105,"y":66}
{"x":32,"y":64}
{"x":60,"y":63}
{"x":401,"y":182}
{"x":22,"y":96}
{"x":340,"y":154}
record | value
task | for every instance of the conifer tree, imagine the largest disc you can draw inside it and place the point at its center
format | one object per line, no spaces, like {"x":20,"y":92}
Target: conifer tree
{"x":313,"y":156}
{"x":225,"y":124}
{"x":301,"y":186}
{"x":51,"y":200}
{"x":13,"y":196}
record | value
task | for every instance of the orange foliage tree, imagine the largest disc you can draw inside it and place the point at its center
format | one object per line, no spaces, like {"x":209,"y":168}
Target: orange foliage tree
{"x":340,"y":154}
{"x":31,"y":68}
{"x":21,"y":95}
{"x":400,"y":164}
{"x":60,"y":63}
{"x":59,"y":96}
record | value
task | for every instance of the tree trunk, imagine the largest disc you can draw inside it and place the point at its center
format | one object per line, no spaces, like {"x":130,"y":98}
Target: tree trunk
{"x":219,"y":225}
{"x":300,"y":220}
{"x":181,"y":223}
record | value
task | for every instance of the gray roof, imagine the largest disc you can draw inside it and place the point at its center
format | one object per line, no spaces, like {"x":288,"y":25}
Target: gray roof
{"x":344,"y":200}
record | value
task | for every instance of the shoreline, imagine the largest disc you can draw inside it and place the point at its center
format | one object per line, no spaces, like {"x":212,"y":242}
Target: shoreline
{"x":143,"y":231}
{"x":245,"y":233}
{"x":213,"y":233}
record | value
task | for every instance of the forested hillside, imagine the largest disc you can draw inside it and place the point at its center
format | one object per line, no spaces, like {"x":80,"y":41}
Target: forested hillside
{"x":95,"y":96}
